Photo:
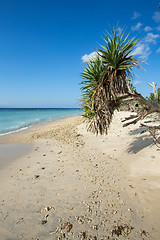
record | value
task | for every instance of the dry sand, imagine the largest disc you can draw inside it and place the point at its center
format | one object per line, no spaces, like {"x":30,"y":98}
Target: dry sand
{"x":74,"y":185}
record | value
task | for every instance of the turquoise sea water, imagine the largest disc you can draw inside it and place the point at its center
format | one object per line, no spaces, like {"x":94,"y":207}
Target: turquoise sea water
{"x":15,"y":119}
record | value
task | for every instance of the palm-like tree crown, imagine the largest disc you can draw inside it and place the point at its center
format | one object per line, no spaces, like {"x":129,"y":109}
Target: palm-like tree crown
{"x":105,"y":79}
{"x":116,"y":53}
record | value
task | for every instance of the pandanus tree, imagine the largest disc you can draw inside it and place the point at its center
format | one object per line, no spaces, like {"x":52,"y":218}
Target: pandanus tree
{"x":105,"y":85}
{"x":92,"y":76}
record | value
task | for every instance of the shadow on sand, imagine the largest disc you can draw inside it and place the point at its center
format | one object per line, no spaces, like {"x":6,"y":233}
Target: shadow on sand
{"x":139,"y":144}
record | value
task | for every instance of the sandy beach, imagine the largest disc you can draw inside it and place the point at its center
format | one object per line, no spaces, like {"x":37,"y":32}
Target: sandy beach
{"x":66,"y":183}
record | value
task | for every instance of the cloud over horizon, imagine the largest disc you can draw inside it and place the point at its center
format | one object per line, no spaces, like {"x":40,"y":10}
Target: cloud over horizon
{"x":3,"y":103}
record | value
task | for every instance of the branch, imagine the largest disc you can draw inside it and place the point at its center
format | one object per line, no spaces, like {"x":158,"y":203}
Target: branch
{"x":148,"y":109}
{"x":150,"y":129}
{"x":138,"y":97}
{"x":130,"y":117}
{"x":151,"y":107}
{"x":154,"y":91}
{"x":132,"y":122}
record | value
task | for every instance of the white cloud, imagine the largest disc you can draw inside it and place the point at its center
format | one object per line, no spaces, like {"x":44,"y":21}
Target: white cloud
{"x":151,"y":38}
{"x":142,"y":50}
{"x":156,"y":17}
{"x":135,"y":15}
{"x":136,"y":82}
{"x":158,"y":50}
{"x":137,"y":27}
{"x":147,"y":29}
{"x":87,"y":58}
{"x":158,"y":28}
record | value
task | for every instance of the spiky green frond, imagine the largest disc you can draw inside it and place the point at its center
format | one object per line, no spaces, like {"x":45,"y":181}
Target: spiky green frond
{"x":92,"y":76}
{"x":92,"y":73}
{"x":116,"y":54}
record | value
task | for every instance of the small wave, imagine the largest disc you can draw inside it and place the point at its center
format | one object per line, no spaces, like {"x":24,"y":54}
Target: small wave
{"x":17,"y":121}
{"x":17,"y":130}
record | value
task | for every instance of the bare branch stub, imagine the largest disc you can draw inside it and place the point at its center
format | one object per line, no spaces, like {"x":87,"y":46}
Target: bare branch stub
{"x":153,"y":85}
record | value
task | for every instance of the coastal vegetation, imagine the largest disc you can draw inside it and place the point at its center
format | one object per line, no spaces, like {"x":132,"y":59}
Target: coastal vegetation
{"x":105,"y":84}
{"x":152,"y":97}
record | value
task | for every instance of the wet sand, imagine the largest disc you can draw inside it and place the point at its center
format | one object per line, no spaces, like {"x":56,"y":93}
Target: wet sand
{"x":74,"y":185}
{"x":13,"y":151}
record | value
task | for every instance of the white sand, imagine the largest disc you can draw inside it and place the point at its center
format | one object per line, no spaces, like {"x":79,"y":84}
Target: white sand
{"x":94,"y":184}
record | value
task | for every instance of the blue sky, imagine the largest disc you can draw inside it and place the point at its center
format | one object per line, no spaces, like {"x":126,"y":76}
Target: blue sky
{"x":44,"y":45}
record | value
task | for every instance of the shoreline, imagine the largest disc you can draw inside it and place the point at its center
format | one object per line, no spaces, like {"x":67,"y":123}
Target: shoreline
{"x":19,"y":136}
{"x":38,"y":124}
{"x":95,"y":184}
{"x":19,"y":143}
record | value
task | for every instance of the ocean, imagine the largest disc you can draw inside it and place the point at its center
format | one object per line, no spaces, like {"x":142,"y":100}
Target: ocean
{"x":16,"y":119}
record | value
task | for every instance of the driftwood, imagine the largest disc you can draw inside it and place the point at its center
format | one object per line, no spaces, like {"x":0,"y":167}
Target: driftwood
{"x":152,"y":131}
{"x":147,"y":109}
